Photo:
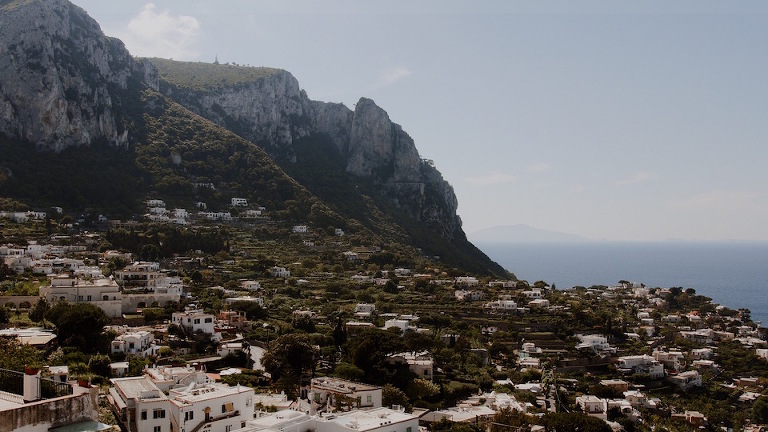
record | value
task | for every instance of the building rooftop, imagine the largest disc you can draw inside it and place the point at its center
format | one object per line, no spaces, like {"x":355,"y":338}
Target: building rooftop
{"x":138,"y":388}
{"x":373,"y":419}
{"x":340,"y":385}
{"x":206,"y":392}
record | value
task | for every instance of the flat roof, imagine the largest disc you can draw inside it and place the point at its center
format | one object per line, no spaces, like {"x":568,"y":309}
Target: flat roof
{"x":133,"y":387}
{"x":340,"y":385}
{"x":372,"y":419}
{"x":206,"y":392}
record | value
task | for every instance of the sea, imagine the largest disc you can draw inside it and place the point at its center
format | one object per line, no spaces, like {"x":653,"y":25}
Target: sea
{"x":733,"y":274}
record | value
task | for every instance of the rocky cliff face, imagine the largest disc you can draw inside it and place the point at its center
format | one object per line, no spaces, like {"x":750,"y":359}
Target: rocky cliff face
{"x":273,"y":111}
{"x":64,"y":83}
{"x":61,"y":79}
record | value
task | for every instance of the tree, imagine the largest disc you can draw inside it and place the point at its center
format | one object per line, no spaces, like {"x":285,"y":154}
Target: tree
{"x":445,"y":425}
{"x":349,"y":372}
{"x":5,"y":271}
{"x":136,"y":366}
{"x":79,"y":325}
{"x":368,"y":350}
{"x":99,"y":364}
{"x":286,"y":359}
{"x":14,"y":355}
{"x":420,"y":388}
{"x":303,"y":322}
{"x":571,"y":422}
{"x":760,"y":410}
{"x":507,"y":417}
{"x":416,"y":342}
{"x":391,"y":395}
{"x":5,"y":315}
{"x":252,"y":309}
{"x":339,"y":333}
{"x":38,"y":311}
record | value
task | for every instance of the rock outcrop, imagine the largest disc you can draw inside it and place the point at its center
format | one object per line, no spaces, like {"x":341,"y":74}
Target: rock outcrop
{"x":64,"y":83}
{"x":61,"y":79}
{"x":273,"y":112}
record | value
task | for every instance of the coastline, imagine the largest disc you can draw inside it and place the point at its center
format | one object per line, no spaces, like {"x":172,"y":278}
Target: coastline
{"x":733,"y":274}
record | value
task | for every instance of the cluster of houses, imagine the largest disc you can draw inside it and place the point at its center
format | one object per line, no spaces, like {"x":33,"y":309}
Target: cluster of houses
{"x":188,"y":399}
{"x":157,"y":212}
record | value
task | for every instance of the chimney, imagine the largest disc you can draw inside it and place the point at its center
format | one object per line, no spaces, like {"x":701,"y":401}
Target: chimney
{"x":31,"y":385}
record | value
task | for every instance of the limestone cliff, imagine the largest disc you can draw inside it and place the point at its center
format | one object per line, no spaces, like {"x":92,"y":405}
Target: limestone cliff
{"x":63,"y":83}
{"x":273,"y":112}
{"x":60,"y":78}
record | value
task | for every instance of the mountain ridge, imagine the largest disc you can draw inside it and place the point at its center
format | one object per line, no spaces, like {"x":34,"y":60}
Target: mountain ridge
{"x":70,"y":89}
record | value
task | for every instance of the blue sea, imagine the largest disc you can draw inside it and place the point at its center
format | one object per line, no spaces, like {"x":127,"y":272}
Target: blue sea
{"x":732,"y":274}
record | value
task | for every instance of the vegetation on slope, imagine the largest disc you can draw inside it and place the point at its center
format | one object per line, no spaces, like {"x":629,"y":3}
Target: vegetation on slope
{"x":206,"y":76}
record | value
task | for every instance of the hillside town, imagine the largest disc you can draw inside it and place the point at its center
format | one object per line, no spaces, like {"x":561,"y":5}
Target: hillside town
{"x":304,"y":328}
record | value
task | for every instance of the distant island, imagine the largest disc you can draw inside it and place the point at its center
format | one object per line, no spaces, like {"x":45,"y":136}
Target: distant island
{"x":522,"y":233}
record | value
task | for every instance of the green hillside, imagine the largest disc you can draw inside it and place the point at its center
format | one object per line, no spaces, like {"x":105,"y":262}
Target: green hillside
{"x":204,"y":76}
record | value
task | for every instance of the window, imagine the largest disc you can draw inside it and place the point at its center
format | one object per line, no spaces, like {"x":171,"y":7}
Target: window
{"x":143,"y":414}
{"x":369,"y":399}
{"x":227,"y":407}
{"x":190,"y":415}
{"x":105,"y":298}
{"x":227,"y":428}
{"x":158,"y":429}
{"x":158,"y":413}
{"x":408,"y":429}
{"x":79,"y":298}
{"x":131,"y":345}
{"x":197,"y":320}
{"x":209,"y":320}
{"x":88,"y":298}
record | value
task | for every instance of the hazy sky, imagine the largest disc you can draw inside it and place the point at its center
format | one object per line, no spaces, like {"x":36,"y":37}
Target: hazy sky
{"x":609,"y":119}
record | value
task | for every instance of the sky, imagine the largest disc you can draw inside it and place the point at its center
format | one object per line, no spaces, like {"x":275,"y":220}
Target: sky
{"x":612,"y":120}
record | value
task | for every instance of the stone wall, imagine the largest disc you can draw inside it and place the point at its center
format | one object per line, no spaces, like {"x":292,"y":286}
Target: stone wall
{"x":52,"y":413}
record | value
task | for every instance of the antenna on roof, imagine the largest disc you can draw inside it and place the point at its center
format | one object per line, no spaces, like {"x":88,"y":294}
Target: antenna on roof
{"x":216,"y":59}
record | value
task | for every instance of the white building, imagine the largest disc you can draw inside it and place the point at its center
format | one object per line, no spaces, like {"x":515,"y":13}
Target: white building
{"x":467,"y":295}
{"x":419,"y":363}
{"x":334,"y":391}
{"x":194,"y":320}
{"x":169,"y":377}
{"x":140,"y":273}
{"x":189,"y":405}
{"x":539,"y":303}
{"x":403,"y":325}
{"x":280,"y":272}
{"x":210,"y":407}
{"x":257,"y":300}
{"x":466,"y":281}
{"x":140,"y":405}
{"x":140,"y":343}
{"x":366,"y":308}
{"x":228,"y":348}
{"x":532,"y":294}
{"x":592,"y":405}
{"x":250,"y":285}
{"x":102,"y":293}
{"x":670,"y":359}
{"x":641,"y":364}
{"x":239,"y":202}
{"x":300,"y":229}
{"x":374,"y":420}
{"x":687,"y":380}
{"x":502,"y":305}
{"x":597,"y":343}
